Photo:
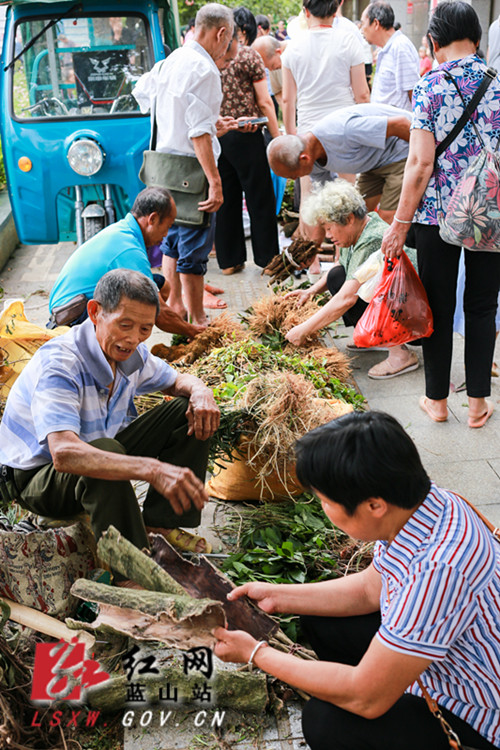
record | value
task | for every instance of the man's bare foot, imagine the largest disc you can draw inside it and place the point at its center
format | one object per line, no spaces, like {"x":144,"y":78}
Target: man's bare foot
{"x":182,"y":539}
{"x":211,"y":302}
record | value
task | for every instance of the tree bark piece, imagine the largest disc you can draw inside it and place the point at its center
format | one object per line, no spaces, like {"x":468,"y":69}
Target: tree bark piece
{"x":122,"y":556}
{"x":177,"y":621}
{"x":204,"y":579}
{"x":238,"y":691}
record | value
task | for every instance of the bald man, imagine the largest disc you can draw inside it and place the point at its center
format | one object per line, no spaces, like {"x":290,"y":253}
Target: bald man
{"x":370,"y":140}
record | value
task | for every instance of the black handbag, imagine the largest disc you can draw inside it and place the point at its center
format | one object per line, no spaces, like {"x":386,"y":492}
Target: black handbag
{"x":182,"y":175}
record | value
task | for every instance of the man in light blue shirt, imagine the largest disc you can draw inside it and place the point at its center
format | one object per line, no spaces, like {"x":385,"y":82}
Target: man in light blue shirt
{"x":370,"y":140}
{"x":122,"y":245}
{"x":70,"y":440}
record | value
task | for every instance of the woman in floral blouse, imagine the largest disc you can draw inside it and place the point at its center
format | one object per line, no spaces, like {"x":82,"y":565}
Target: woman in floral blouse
{"x":454,"y":34}
{"x":243,"y":163}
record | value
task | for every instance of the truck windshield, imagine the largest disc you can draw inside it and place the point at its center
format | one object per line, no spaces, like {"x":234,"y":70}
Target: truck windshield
{"x":81,"y":67}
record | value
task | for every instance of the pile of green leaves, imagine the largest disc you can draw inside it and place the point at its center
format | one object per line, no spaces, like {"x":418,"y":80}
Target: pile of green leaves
{"x":229,"y":369}
{"x":288,"y":543}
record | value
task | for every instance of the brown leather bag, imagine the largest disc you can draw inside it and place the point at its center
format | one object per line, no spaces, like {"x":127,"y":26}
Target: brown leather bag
{"x":64,"y":315}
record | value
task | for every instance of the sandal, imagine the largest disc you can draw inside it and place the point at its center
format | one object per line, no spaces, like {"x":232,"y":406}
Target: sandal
{"x":213,"y":289}
{"x":384,"y":370}
{"x":182,"y":539}
{"x":423,"y":402}
{"x":476,"y":422}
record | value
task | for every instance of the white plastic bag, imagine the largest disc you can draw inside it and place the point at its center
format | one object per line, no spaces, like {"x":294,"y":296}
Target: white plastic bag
{"x":369,"y":274}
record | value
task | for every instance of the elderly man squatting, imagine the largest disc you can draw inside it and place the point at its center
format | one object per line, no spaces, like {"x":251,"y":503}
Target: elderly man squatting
{"x":70,"y":440}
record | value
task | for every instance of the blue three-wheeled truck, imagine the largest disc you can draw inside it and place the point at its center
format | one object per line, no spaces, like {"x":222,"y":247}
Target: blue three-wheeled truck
{"x":72,"y":134}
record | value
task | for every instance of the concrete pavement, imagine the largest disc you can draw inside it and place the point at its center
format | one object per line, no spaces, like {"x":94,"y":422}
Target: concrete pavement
{"x":455,"y":456}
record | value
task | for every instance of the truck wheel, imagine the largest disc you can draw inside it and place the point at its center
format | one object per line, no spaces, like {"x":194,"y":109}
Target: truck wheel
{"x":92,"y":226}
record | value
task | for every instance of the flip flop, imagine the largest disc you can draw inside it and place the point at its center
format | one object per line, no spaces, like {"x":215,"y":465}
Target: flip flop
{"x":213,"y":289}
{"x":388,"y":373}
{"x":423,"y":402}
{"x":476,"y":422}
{"x":351,"y":347}
{"x":213,"y":303}
{"x":182,"y":539}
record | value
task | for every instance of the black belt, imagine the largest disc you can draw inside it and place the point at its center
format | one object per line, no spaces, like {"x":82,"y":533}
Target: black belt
{"x":6,"y":473}
{"x":8,"y":488}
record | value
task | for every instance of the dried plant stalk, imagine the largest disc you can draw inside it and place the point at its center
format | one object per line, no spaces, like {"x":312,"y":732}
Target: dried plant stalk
{"x":298,"y":255}
{"x":223,"y":330}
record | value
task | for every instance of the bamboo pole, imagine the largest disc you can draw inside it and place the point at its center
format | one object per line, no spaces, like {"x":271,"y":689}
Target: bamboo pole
{"x":45,"y":624}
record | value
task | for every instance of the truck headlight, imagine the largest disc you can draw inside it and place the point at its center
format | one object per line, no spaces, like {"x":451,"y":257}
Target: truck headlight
{"x":85,"y":157}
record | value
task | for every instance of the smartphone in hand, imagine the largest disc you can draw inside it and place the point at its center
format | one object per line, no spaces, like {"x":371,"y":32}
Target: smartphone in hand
{"x":253,"y":121}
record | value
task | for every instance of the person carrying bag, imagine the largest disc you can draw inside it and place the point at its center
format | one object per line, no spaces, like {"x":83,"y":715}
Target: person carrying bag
{"x":182,"y":175}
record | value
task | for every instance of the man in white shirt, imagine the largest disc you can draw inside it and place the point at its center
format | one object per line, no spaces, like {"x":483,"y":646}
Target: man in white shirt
{"x":398,"y":63}
{"x":188,"y":95}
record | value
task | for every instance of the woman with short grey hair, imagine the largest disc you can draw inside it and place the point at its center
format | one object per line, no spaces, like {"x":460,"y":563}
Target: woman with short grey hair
{"x":341,"y":211}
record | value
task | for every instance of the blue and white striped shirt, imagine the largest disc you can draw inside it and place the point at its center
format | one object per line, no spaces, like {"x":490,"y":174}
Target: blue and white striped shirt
{"x":65,"y":386}
{"x":442,"y":572}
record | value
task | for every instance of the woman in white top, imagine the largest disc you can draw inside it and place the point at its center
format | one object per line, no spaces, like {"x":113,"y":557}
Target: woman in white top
{"x":323,"y":70}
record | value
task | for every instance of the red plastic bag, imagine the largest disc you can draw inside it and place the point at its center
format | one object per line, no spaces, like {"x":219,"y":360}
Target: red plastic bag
{"x":399,"y":311}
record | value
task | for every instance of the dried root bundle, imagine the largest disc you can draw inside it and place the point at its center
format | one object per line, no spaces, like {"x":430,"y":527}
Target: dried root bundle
{"x":275,"y":313}
{"x":284,"y":408}
{"x":298,"y":255}
{"x":336,"y":363}
{"x":221,"y":331}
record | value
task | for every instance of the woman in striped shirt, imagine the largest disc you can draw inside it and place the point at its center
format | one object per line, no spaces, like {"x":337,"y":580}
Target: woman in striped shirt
{"x":428,"y":606}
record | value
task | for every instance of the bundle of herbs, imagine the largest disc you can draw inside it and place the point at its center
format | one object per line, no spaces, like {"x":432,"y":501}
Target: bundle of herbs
{"x":229,"y":370}
{"x":283,"y":407}
{"x":271,"y":317}
{"x":286,"y":543}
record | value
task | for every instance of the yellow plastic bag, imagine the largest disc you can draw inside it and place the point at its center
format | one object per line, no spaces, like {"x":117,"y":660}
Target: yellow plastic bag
{"x":19,"y":340}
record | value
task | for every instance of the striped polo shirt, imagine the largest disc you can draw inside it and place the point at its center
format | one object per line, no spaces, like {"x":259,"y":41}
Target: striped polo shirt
{"x":442,"y":572}
{"x":65,"y":386}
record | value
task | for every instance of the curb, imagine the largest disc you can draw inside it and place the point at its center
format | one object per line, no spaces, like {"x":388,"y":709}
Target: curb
{"x":8,"y":235}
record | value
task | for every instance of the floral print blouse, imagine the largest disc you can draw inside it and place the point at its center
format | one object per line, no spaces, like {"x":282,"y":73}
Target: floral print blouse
{"x":237,"y":84}
{"x":436,"y":108}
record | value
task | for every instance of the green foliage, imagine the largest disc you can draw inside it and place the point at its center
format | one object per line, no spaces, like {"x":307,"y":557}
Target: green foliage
{"x":240,"y":362}
{"x":279,"y":10}
{"x":289,"y":543}
{"x":292,"y":543}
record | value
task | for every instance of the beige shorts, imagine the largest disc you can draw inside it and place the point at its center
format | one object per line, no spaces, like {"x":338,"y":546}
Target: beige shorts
{"x":384,"y":181}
